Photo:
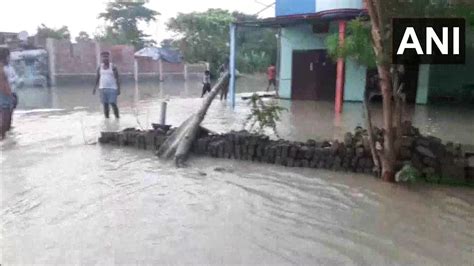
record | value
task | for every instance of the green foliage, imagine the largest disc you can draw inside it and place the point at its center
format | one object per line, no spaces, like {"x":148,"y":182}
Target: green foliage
{"x":408,"y":174}
{"x":357,"y":45}
{"x":252,"y":61}
{"x":204,"y":36}
{"x":262,"y":116}
{"x":111,"y":36}
{"x":256,"y":48}
{"x":168,"y":43}
{"x":60,"y":34}
{"x":124,"y":19}
{"x":453,"y":182}
{"x":83,"y":37}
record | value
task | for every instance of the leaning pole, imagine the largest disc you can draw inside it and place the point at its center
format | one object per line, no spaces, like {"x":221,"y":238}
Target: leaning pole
{"x":179,"y":144}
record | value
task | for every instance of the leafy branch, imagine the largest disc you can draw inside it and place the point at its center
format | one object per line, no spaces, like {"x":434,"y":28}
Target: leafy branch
{"x":263,"y":116}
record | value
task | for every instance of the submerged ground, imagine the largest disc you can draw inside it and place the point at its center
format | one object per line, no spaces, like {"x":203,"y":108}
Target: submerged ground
{"x":68,"y":201}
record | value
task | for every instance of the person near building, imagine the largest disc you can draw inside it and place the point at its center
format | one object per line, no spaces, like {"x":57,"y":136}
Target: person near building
{"x":206,"y":81}
{"x":271,"y":75}
{"x":224,"y":68}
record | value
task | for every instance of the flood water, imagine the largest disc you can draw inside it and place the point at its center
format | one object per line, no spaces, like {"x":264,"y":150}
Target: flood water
{"x":68,"y":201}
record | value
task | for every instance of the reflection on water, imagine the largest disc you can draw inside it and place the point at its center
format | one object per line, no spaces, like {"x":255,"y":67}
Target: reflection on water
{"x":65,"y":202}
{"x":318,"y":120}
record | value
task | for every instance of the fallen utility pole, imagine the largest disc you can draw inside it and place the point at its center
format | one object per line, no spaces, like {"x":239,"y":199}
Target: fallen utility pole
{"x":179,"y":144}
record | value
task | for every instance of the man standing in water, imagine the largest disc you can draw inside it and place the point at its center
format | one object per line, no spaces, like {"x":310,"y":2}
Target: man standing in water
{"x":223,"y":69}
{"x":8,"y":99}
{"x":109,"y":85}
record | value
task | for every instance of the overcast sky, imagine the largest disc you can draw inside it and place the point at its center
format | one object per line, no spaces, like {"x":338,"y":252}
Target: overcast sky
{"x":79,"y":15}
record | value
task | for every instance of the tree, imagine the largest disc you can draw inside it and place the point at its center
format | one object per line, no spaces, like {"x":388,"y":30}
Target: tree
{"x":124,"y":19}
{"x":358,"y":47}
{"x":377,"y":34}
{"x":168,"y":43}
{"x":381,"y":13}
{"x":204,"y":36}
{"x":257,"y":48}
{"x":60,"y":34}
{"x":83,"y":37}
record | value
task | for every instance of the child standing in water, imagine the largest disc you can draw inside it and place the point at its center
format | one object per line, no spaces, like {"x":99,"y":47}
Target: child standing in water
{"x":206,"y":81}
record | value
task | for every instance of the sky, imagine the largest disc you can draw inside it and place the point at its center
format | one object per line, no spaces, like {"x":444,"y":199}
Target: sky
{"x":81,"y":15}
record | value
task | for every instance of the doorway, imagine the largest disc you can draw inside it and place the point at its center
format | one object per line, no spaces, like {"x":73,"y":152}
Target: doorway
{"x":314,"y":76}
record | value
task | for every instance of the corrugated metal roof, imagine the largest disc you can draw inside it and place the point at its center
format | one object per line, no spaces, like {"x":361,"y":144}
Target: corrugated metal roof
{"x":156,"y":53}
{"x":284,"y":21}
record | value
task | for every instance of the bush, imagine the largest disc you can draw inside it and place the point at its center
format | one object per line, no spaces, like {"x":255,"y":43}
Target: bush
{"x":252,"y":62}
{"x":263,"y":116}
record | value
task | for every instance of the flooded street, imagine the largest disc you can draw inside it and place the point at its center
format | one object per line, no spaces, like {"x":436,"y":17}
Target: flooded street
{"x":67,"y":200}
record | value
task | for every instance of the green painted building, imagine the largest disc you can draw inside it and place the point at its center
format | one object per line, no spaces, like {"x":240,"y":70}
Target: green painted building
{"x":302,"y":38}
{"x":305,"y":71}
{"x":445,"y":82}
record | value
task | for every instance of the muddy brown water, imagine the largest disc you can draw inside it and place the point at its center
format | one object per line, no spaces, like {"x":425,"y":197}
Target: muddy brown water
{"x":67,"y":203}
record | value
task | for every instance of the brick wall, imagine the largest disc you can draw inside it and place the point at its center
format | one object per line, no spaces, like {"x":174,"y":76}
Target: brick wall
{"x":81,"y":59}
{"x":77,"y":58}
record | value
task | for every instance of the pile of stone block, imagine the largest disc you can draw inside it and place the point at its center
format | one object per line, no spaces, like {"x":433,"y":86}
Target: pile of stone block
{"x":433,"y":159}
{"x":352,"y":156}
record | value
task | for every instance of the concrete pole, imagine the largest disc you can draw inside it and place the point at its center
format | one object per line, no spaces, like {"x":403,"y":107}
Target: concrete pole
{"x":50,"y":47}
{"x":164,"y":106}
{"x":135,"y":69}
{"x":185,"y":71}
{"x":97,"y":53}
{"x":278,"y":63}
{"x":160,"y":66}
{"x":232,"y":58}
{"x":340,"y":71}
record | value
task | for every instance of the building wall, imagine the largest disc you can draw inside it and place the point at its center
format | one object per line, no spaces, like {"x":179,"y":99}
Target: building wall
{"x":355,"y":81}
{"x":81,"y":59}
{"x":325,"y":5}
{"x":290,"y":7}
{"x":303,"y":38}
{"x":451,"y":80}
{"x":295,"y":38}
{"x":423,"y":84}
{"x":78,"y":58}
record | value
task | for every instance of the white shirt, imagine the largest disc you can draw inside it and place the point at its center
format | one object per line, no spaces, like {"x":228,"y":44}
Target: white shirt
{"x":107,"y":78}
{"x":11,"y":76}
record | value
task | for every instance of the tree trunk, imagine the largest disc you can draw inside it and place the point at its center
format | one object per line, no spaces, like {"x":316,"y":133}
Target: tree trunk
{"x":399,"y":98}
{"x":388,"y":158}
{"x":370,"y":131}
{"x":397,"y":112}
{"x":180,"y":142}
{"x":379,"y":30}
